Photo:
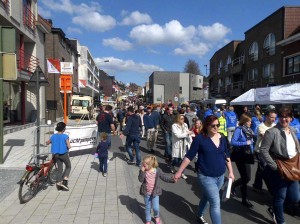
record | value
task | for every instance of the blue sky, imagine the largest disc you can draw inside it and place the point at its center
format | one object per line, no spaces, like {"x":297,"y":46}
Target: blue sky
{"x":142,"y":36}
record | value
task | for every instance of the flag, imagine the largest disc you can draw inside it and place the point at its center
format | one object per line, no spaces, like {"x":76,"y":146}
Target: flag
{"x":82,"y":83}
{"x":53,"y":65}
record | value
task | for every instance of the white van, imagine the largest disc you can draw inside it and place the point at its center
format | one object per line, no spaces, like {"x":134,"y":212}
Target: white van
{"x":81,"y":105}
{"x":214,"y":102}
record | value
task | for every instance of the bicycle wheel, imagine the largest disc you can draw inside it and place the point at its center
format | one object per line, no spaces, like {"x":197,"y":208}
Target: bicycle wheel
{"x":52,"y":174}
{"x":28,"y":188}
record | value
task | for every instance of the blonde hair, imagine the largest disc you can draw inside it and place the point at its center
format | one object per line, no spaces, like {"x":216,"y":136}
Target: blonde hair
{"x":178,"y":117}
{"x":152,"y":161}
{"x":103,"y":136}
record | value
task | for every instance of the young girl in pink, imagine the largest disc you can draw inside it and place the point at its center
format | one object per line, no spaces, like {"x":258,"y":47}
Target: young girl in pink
{"x":150,"y":175}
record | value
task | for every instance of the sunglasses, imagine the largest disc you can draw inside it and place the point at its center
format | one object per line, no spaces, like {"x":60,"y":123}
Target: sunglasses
{"x":215,"y":125}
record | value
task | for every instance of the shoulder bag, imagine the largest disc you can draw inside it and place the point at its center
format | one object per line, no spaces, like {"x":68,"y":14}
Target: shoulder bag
{"x":289,"y":169}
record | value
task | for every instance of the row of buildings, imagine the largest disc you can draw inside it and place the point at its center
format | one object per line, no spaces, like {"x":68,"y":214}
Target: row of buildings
{"x":269,"y":55}
{"x":35,"y":41}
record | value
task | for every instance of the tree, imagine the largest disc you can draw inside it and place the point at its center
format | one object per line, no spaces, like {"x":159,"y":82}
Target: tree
{"x":133,"y":87}
{"x":192,"y":67}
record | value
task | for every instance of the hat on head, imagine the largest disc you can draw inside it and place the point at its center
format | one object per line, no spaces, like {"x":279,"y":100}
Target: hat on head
{"x":271,"y":107}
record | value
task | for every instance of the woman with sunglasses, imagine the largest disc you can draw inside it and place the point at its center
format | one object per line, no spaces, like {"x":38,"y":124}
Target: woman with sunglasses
{"x":242,"y":146}
{"x":213,"y":157}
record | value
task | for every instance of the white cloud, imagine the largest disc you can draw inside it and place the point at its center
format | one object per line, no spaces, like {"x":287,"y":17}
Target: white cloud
{"x":136,"y":18}
{"x":59,"y":5}
{"x":116,"y":65}
{"x":117,"y":44}
{"x":213,"y":33}
{"x":44,"y":13}
{"x":95,"y":21}
{"x":199,"y":49}
{"x":172,"y":33}
{"x":72,"y":30}
{"x":89,"y":17}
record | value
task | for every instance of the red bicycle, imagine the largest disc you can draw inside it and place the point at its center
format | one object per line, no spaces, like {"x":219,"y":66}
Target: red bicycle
{"x":37,"y":175}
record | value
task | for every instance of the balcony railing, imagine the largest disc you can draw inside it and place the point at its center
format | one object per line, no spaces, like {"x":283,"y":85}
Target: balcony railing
{"x":5,"y":4}
{"x":29,"y":19}
{"x":27,"y":61}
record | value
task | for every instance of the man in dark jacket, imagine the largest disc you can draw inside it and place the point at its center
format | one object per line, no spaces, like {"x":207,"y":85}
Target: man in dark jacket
{"x":150,"y":128}
{"x":156,"y":118}
{"x":132,"y":131}
{"x":166,"y":125}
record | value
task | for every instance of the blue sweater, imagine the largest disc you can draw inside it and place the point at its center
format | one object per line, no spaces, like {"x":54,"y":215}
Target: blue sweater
{"x":211,"y":160}
{"x":296,"y":125}
{"x":133,"y":125}
{"x":149,"y":121}
{"x":231,"y":119}
{"x":254,"y":124}
{"x":239,"y":138}
{"x":102,"y":149}
{"x":156,"y":117}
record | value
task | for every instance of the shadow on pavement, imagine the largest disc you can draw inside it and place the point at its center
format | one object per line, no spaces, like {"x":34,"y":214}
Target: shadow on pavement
{"x":178,"y":206}
{"x":132,"y":205}
{"x":234,"y":206}
{"x":12,"y":143}
{"x":82,"y":152}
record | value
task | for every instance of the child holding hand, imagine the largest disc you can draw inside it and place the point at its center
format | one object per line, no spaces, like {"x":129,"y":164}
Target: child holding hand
{"x":102,"y":150}
{"x":150,"y":175}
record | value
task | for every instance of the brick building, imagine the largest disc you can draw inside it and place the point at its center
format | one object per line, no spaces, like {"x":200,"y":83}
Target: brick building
{"x":59,"y":47}
{"x":107,"y":84}
{"x":257,"y":61}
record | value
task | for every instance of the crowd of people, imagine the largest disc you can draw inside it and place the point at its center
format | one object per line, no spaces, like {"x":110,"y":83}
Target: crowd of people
{"x":213,"y":138}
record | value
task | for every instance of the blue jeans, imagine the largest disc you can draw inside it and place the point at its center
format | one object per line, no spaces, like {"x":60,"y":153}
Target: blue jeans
{"x":133,"y":140}
{"x":154,"y":202}
{"x":168,"y":139}
{"x":210,"y":193}
{"x":103,"y":164}
{"x":283,"y":191}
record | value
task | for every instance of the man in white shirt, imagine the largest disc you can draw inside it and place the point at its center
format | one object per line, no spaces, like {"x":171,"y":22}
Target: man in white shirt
{"x":262,"y":128}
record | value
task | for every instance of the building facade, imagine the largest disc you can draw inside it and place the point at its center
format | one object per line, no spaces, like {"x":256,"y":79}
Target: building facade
{"x":19,"y":99}
{"x":58,"y":46}
{"x":257,"y":61}
{"x":107,"y":85}
{"x":88,"y":73}
{"x":177,"y":87}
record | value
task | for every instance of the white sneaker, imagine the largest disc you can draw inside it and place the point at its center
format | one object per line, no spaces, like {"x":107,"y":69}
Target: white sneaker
{"x":184,"y":176}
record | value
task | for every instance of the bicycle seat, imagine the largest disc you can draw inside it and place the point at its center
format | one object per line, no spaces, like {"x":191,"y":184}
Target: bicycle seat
{"x":42,"y":157}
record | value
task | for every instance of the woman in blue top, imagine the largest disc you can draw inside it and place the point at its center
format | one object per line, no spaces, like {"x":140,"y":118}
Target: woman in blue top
{"x":60,"y":146}
{"x":213,"y":157}
{"x":242,"y":155}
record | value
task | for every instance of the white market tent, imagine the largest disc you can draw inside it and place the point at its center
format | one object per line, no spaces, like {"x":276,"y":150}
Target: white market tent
{"x":282,"y":94}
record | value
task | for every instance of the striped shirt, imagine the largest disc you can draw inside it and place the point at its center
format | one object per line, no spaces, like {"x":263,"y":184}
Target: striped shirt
{"x":150,"y":180}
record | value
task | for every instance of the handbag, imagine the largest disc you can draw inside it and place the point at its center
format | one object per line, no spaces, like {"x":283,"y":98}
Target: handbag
{"x":289,"y":169}
{"x":242,"y":154}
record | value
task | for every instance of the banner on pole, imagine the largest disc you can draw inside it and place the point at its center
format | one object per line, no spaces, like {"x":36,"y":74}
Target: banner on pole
{"x":53,"y":65}
{"x":66,"y":68}
{"x":82,"y":137}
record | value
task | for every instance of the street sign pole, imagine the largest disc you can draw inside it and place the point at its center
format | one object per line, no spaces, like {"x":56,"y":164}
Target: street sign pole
{"x":65,"y":103}
{"x":38,"y":137}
